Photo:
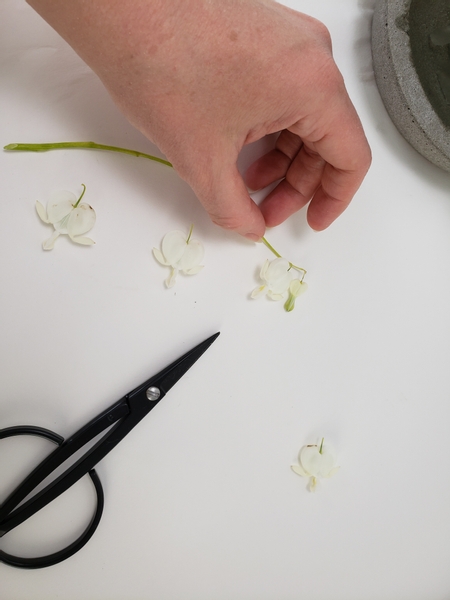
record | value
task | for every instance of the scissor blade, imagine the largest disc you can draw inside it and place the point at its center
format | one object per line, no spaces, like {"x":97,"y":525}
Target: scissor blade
{"x":126,"y":414}
{"x":168,"y":377}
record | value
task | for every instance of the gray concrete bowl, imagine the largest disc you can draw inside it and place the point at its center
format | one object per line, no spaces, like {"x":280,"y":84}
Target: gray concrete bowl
{"x":411,"y":57}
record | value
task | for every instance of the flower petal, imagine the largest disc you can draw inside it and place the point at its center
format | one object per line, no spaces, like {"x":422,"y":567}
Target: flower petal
{"x":289,"y":305}
{"x":81,"y":220}
{"x":328,"y":460}
{"x":332,"y":472}
{"x":60,"y":205}
{"x":194,"y":270}
{"x":173,"y":246}
{"x":273,"y":296}
{"x":170,"y":281}
{"x":41,"y":212}
{"x":277,"y":269}
{"x":258,"y":292}
{"x":311,"y":459}
{"x":159,"y":257}
{"x":297,"y":287}
{"x":313,"y":484}
{"x":264,"y":268}
{"x":192,"y":255}
{"x":48,"y":244}
{"x":278,"y":275}
{"x":281,"y":285}
{"x":300,"y":470}
{"x":85,"y":241}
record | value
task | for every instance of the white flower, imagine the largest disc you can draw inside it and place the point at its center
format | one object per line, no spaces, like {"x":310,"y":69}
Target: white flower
{"x":67,"y":216}
{"x":276,"y":276}
{"x":180,"y":253}
{"x":296,"y":287}
{"x":316,"y":461}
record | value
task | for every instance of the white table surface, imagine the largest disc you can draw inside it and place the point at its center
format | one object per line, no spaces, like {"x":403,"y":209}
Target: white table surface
{"x":201,"y":503}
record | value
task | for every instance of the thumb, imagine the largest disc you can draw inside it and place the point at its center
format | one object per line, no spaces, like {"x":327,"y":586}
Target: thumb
{"x":229,"y":205}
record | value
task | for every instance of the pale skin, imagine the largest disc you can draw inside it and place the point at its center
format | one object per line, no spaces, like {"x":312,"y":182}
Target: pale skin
{"x":203,"y":78}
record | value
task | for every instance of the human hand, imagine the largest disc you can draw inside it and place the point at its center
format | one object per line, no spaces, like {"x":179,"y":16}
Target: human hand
{"x":203,"y":78}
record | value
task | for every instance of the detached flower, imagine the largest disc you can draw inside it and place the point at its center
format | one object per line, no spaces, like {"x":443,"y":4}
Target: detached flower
{"x":180,"y":253}
{"x":68,"y":217}
{"x":315,"y":462}
{"x":296,"y":287}
{"x":276,"y":276}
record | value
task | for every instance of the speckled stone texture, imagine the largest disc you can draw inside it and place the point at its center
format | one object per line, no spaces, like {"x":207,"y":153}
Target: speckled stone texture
{"x":402,"y":90}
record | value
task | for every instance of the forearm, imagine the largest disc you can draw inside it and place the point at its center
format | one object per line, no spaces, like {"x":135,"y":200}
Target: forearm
{"x":146,"y":52}
{"x":106,"y":32}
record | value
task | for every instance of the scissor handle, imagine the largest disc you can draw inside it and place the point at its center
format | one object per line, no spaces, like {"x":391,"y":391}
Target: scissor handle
{"x":39,"y":562}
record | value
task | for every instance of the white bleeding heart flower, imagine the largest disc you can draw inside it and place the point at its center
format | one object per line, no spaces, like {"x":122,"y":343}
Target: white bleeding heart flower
{"x":69,"y":216}
{"x":276,"y":276}
{"x":316,"y":461}
{"x":181,"y":253}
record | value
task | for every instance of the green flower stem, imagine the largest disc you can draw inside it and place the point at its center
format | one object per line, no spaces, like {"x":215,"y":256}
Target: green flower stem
{"x":321,"y":446}
{"x":85,"y":145}
{"x":82,"y":194}
{"x":272,"y":249}
{"x":190,"y":233}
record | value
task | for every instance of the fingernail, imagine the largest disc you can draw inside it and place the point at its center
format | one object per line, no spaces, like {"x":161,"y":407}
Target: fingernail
{"x":253,"y":237}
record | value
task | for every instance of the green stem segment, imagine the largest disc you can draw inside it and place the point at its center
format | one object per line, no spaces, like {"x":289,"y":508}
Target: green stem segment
{"x":190,"y":233}
{"x":271,"y":248}
{"x":83,"y":145}
{"x":321,"y":446}
{"x":82,"y":194}
{"x":292,"y":266}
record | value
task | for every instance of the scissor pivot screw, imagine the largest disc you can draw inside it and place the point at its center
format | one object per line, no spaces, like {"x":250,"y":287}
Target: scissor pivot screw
{"x":153,"y":393}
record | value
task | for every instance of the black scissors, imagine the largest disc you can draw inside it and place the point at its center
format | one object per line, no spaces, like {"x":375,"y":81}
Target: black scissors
{"x":120,"y":418}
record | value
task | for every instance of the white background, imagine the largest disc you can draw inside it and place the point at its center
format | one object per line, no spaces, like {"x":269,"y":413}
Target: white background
{"x":201,"y":503}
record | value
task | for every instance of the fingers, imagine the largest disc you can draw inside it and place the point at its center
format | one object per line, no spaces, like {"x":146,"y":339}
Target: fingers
{"x":274,"y":164}
{"x":281,"y":203}
{"x":348,"y":157}
{"x":302,"y":179}
{"x":229,"y":205}
{"x":326,"y":206}
{"x":325,"y":169}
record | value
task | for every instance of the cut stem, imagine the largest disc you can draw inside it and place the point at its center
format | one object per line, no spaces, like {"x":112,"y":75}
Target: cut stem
{"x":79,"y":199}
{"x":271,"y":248}
{"x":82,"y":145}
{"x":190,"y":233}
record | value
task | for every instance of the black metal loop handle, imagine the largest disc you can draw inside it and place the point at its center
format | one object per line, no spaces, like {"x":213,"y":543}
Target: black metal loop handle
{"x":39,"y":562}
